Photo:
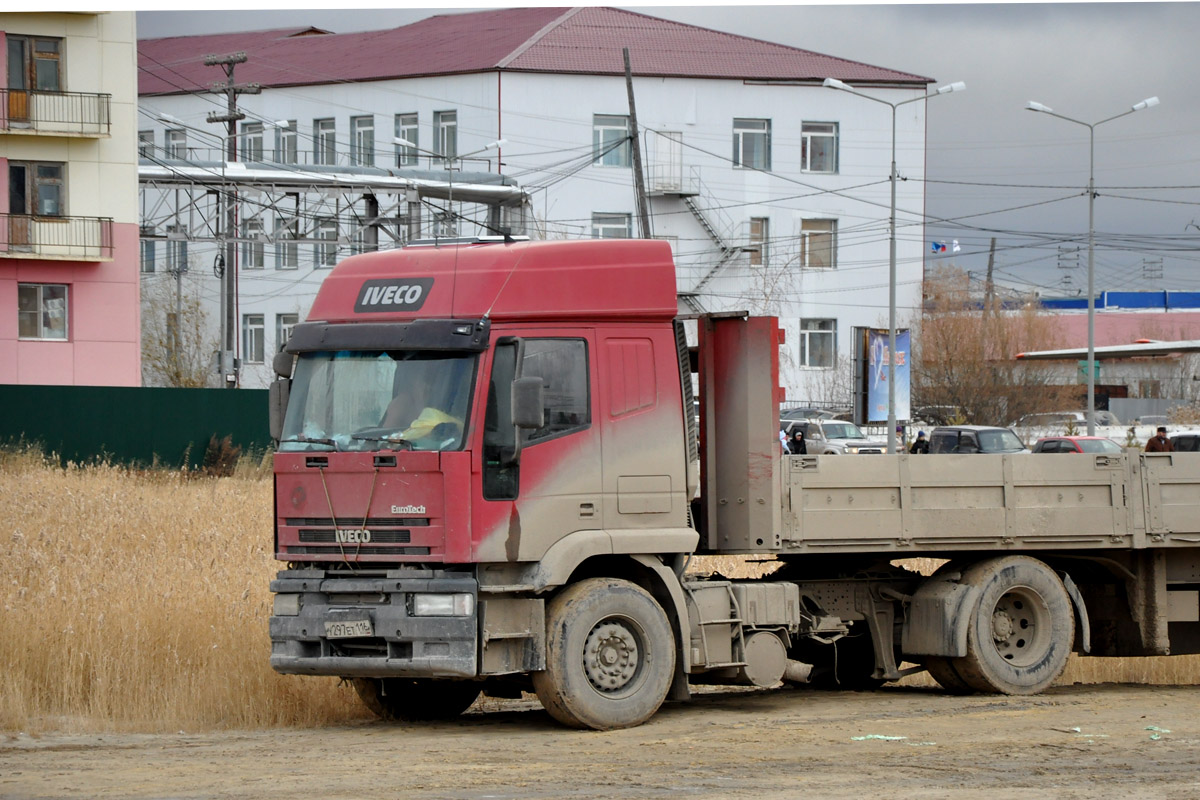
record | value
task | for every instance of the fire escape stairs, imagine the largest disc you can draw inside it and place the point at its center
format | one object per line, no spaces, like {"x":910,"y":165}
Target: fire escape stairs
{"x":727,"y":251}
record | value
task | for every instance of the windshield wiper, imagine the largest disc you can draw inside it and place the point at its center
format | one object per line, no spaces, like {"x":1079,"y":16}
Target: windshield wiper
{"x":404,"y":443}
{"x":313,"y":440}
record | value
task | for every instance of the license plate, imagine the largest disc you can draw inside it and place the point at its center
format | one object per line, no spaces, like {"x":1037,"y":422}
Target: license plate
{"x":348,"y":629}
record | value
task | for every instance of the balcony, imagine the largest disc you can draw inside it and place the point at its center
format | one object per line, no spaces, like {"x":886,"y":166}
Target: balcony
{"x":56,"y":238}
{"x":79,"y":114}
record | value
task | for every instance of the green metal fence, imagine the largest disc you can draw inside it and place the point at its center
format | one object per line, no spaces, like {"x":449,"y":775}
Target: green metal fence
{"x":133,"y":425}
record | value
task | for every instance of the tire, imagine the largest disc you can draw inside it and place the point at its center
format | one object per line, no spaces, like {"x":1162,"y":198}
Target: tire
{"x":1022,"y":629}
{"x":610,"y":656}
{"x":944,"y":670}
{"x":415,"y":700}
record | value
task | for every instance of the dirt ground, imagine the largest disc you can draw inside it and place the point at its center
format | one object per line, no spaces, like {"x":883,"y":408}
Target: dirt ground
{"x":899,"y":742}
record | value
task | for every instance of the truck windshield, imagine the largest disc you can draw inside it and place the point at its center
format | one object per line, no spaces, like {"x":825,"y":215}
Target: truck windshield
{"x":375,"y":400}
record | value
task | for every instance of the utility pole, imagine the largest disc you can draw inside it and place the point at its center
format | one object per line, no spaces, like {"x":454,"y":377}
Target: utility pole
{"x":989,"y":288}
{"x":231,"y":90}
{"x":639,"y":182}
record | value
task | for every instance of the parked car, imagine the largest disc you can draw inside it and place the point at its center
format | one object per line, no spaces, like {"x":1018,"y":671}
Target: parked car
{"x":1151,"y":419}
{"x":1076,"y":444}
{"x":974,"y":439}
{"x":837,"y":437}
{"x":1186,"y":442}
{"x":806,"y":413}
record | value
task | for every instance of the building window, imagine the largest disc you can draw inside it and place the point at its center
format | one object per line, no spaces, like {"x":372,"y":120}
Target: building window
{"x":145,"y":144}
{"x":253,"y":249}
{"x":818,"y":342}
{"x":252,"y":141}
{"x":324,"y":142}
{"x":612,"y":226}
{"x":148,"y":255}
{"x":818,"y":243}
{"x":759,"y":240}
{"x":406,"y":129}
{"x":362,"y":141}
{"x":177,"y":257}
{"x":287,"y":252}
{"x":819,"y":147}
{"x":285,"y":144}
{"x":611,"y":146}
{"x":35,"y":188}
{"x":445,"y":126}
{"x":176,"y":143}
{"x":252,"y":338}
{"x":325,"y":255}
{"x":283,"y":328}
{"x":34,"y":63}
{"x":42,"y":311}
{"x":752,"y":143}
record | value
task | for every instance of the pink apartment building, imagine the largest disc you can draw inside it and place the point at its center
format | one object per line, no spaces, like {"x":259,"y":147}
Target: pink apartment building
{"x":69,"y":298}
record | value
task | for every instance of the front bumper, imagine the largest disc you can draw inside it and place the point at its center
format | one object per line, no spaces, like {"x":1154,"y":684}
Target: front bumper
{"x":403,"y":645}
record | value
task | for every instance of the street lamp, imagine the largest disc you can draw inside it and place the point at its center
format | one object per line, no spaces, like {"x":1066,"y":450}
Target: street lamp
{"x":402,"y":142}
{"x":834,"y":83}
{"x":1149,"y":102}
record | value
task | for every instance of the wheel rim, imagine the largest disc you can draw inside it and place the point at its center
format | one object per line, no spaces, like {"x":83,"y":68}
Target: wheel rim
{"x":1021,"y":627}
{"x":612,"y":656}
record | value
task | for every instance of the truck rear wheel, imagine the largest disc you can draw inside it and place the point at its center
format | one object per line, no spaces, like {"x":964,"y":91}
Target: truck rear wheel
{"x":1022,"y":629}
{"x":610,"y":656}
{"x":415,"y":700}
{"x":944,"y":670}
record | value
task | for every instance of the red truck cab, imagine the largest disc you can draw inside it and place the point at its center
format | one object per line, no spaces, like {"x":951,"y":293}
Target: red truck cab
{"x":460,"y":425}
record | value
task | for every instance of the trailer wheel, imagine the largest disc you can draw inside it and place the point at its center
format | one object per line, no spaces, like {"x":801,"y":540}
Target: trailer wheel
{"x":610,"y":656}
{"x":415,"y":700}
{"x":944,"y":670}
{"x":1022,"y":629}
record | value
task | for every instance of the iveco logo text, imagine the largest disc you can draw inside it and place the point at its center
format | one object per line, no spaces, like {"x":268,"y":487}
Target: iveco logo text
{"x":408,"y":509}
{"x":393,"y":294}
{"x":347,"y":536}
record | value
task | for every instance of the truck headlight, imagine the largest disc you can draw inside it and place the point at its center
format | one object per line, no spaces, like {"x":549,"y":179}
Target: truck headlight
{"x":852,"y":450}
{"x":287,"y":605}
{"x":443,"y":605}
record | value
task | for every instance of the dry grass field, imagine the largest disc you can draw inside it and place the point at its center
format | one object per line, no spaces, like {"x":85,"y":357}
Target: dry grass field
{"x":138,"y":601}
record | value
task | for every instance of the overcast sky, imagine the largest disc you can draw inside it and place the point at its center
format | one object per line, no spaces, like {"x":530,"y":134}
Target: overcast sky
{"x":987,"y":157}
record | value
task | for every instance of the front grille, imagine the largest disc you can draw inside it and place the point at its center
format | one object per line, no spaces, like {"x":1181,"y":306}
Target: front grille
{"x":379,"y":537}
{"x":357,"y":522}
{"x":356,"y":549}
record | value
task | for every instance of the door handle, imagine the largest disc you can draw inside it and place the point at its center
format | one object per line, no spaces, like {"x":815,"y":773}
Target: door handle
{"x":587,"y":509}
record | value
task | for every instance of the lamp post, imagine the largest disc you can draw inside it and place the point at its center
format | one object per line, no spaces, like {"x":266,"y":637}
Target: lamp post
{"x":1149,"y":102}
{"x":834,"y":83}
{"x":402,"y":142}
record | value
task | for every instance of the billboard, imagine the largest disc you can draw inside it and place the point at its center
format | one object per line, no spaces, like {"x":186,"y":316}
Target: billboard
{"x":875,"y":381}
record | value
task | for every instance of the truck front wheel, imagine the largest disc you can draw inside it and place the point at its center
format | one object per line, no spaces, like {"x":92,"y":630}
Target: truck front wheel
{"x":610,"y":656}
{"x":1022,"y":629}
{"x":415,"y":700}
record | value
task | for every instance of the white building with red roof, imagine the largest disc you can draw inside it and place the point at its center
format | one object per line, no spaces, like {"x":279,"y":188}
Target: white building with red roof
{"x":772,"y":189}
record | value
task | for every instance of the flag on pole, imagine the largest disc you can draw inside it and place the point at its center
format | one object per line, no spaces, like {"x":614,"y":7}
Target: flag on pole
{"x":938,"y":247}
{"x":956,"y":248}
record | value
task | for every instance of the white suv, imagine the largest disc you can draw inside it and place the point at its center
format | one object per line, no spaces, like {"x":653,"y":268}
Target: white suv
{"x":833,"y":437}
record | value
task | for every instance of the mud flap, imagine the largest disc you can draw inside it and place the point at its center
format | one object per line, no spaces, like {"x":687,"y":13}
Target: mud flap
{"x":937,"y":619}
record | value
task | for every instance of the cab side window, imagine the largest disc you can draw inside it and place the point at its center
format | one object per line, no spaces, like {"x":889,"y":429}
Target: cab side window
{"x":562,"y":364}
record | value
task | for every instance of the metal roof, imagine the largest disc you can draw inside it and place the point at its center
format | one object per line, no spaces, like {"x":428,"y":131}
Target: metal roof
{"x":585,"y":40}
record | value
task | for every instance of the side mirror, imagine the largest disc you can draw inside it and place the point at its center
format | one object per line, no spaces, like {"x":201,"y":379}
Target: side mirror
{"x":283,"y":363}
{"x":277,"y":400}
{"x":528,"y":403}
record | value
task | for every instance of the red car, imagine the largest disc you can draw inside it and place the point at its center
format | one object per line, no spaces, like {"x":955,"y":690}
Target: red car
{"x":1076,"y":444}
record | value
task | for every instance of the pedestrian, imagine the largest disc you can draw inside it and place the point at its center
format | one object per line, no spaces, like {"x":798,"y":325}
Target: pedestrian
{"x":796,"y":444}
{"x":1159,"y":443}
{"x":920,"y":444}
{"x":783,"y":441}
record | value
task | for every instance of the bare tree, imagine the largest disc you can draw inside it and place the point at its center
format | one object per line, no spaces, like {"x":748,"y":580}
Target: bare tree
{"x":964,"y":355}
{"x":177,"y":342}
